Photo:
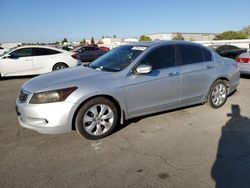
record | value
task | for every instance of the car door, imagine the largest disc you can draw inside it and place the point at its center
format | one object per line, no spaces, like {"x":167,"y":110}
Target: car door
{"x":93,"y":53}
{"x":157,"y":90}
{"x":197,"y":68}
{"x":89,"y":54}
{"x":43,"y":59}
{"x":18,"y":62}
{"x":99,"y":53}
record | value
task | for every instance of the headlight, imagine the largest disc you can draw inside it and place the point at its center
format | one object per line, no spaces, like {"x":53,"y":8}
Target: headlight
{"x":52,"y":96}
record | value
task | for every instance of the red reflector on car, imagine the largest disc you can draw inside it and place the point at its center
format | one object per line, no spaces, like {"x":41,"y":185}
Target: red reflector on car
{"x":243,"y":60}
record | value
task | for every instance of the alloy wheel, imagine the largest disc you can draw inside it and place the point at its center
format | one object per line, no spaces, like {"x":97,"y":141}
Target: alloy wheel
{"x":98,"y":119}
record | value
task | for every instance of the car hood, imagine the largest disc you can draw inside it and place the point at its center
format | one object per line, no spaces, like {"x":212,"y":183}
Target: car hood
{"x":62,"y":79}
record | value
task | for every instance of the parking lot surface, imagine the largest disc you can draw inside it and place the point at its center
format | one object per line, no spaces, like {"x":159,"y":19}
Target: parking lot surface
{"x":191,"y":147}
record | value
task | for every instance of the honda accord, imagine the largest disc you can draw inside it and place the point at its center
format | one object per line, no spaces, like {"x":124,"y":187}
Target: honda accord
{"x":129,"y":81}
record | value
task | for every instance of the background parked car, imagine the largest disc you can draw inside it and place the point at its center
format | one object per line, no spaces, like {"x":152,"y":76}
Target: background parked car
{"x":104,"y":48}
{"x":33,"y":60}
{"x":90,"y":53}
{"x":229,"y":51}
{"x":2,"y":50}
{"x":244,"y":63}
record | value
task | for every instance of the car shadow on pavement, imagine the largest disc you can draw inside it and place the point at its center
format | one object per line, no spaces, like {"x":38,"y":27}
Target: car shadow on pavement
{"x":245,"y":76}
{"x":232,"y":165}
{"x":16,"y":77}
{"x":137,"y":119}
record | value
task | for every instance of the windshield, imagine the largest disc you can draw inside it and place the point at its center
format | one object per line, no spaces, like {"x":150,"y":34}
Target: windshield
{"x":7,"y":51}
{"x":118,"y":58}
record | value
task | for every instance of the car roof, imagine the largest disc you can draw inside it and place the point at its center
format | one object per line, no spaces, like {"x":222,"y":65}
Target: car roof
{"x":162,"y":42}
{"x":39,"y":46}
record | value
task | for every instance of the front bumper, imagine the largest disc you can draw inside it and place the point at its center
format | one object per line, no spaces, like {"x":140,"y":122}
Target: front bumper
{"x":51,"y":118}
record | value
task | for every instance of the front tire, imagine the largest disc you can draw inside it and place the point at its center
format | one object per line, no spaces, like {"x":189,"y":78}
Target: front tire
{"x":218,"y":94}
{"x":96,"y":119}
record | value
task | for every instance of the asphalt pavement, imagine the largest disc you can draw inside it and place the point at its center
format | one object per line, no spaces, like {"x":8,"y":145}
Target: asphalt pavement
{"x":192,"y":147}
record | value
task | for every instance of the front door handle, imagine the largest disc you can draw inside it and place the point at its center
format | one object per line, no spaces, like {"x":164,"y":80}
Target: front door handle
{"x":174,"y":73}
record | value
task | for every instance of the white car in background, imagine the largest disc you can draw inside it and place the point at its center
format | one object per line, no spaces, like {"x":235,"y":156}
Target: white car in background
{"x":2,"y":50}
{"x":34,"y":60}
{"x":244,"y":63}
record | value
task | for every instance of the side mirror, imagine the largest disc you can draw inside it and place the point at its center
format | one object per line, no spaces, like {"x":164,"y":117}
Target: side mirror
{"x":143,"y":69}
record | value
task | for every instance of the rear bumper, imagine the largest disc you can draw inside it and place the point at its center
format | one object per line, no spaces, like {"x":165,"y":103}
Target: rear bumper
{"x":244,"y":68}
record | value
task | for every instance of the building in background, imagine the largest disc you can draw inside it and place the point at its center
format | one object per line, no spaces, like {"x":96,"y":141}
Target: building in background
{"x":114,"y":42}
{"x":186,"y":36}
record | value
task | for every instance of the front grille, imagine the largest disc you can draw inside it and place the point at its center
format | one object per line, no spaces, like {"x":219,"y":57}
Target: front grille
{"x":23,"y":96}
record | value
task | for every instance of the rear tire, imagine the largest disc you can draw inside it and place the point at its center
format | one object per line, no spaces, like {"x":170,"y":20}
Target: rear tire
{"x":96,"y":119}
{"x":59,"y":66}
{"x":218,"y":94}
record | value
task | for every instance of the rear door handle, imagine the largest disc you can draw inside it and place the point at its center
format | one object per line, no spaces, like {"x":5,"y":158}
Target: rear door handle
{"x":174,"y":73}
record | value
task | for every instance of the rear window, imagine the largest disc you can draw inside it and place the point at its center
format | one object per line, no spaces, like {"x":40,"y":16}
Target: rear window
{"x":190,"y":54}
{"x":232,"y":47}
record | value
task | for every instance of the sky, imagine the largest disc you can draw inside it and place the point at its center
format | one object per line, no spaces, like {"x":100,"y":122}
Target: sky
{"x":52,"y":20}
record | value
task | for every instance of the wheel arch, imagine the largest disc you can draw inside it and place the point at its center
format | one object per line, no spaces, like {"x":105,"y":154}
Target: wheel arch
{"x":223,"y":78}
{"x":58,"y":64}
{"x":120,"y":110}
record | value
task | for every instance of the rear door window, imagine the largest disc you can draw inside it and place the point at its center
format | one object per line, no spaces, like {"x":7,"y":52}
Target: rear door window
{"x":207,"y":54}
{"x":44,"y":51}
{"x":190,"y":54}
{"x":91,"y":48}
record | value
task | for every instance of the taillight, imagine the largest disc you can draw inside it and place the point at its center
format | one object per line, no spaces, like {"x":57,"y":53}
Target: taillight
{"x":243,"y":60}
{"x":75,"y":56}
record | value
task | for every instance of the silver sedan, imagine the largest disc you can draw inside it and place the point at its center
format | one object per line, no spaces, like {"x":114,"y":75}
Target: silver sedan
{"x":244,"y":63}
{"x":129,"y":81}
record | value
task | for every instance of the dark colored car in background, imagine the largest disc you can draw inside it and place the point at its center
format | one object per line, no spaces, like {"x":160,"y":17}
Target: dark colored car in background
{"x":90,"y":53}
{"x":229,"y":51}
